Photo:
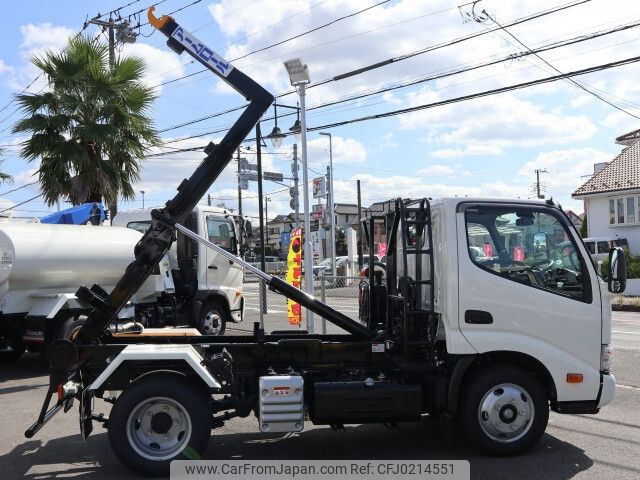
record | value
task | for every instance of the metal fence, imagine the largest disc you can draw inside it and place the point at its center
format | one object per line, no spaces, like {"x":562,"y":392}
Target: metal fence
{"x":339,"y":292}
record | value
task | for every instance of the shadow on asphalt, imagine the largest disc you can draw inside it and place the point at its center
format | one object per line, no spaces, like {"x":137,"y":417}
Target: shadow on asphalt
{"x":30,"y":365}
{"x":70,"y":456}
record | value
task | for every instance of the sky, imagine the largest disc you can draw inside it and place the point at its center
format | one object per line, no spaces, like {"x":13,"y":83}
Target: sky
{"x":487,"y":146}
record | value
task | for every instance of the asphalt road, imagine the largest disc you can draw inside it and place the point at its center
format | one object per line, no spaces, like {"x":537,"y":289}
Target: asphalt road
{"x":604,"y":446}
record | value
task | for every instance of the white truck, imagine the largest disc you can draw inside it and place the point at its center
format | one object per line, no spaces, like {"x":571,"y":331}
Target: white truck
{"x":495,"y":338}
{"x":207,"y":286}
{"x":41,"y":267}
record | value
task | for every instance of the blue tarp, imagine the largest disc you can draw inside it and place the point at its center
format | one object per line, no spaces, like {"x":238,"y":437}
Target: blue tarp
{"x":78,"y":215}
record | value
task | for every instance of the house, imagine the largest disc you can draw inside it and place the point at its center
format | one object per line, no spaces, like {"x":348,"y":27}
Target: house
{"x":612,"y":195}
{"x":277,"y":226}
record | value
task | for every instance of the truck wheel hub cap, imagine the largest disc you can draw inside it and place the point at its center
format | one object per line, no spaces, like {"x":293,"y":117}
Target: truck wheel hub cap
{"x":506,"y":413}
{"x":211,"y":323}
{"x":158,"y":428}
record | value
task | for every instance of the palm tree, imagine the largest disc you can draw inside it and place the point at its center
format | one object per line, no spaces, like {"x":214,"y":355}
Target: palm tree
{"x":4,"y":177}
{"x":89,"y":128}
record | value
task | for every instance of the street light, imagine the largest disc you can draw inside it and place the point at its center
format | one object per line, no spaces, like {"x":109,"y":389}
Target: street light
{"x":296,"y":129}
{"x":276,"y":134}
{"x":299,"y":77}
{"x":142,"y":192}
{"x":330,"y":206}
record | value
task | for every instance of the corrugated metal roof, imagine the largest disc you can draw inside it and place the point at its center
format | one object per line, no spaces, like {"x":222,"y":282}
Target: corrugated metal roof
{"x":623,"y":173}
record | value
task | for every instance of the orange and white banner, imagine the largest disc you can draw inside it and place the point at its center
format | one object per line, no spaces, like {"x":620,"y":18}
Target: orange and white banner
{"x":294,"y":274}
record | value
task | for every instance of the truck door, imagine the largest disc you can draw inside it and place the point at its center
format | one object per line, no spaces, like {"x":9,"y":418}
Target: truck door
{"x":525,"y":286}
{"x":222,"y":274}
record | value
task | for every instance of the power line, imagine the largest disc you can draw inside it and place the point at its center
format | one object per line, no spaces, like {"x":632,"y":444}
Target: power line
{"x":297,"y":36}
{"x":486,"y":93}
{"x":431,"y":77}
{"x":570,"y":80}
{"x":463,"y":98}
{"x":19,"y":188}
{"x":21,"y":203}
{"x":332,"y":22}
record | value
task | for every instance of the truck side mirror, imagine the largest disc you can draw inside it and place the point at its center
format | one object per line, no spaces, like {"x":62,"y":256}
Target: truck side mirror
{"x":248,"y":229}
{"x":617,"y":280}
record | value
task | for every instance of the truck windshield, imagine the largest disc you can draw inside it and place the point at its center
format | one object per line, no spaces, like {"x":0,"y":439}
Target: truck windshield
{"x":140,"y":226}
{"x":221,"y":231}
{"x":527,"y":246}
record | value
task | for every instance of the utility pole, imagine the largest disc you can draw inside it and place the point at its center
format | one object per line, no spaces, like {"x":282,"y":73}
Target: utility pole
{"x":124,"y":34}
{"x":239,"y":197}
{"x":538,"y":172}
{"x":360,"y":234}
{"x":208,"y":199}
{"x":295,"y":196}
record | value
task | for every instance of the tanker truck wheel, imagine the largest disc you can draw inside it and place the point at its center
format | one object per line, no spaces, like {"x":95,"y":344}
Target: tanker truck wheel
{"x":213,"y":318}
{"x":159,"y":418}
{"x":11,"y":348}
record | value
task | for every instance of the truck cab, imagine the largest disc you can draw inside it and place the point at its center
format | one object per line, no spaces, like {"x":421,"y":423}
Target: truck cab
{"x":514,"y":280}
{"x":208,"y":285}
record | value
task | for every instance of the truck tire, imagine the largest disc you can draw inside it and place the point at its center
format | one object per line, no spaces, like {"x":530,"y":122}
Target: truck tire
{"x":11,"y":349}
{"x":70,"y":326}
{"x":213,"y":318}
{"x":504,"y":410}
{"x":159,"y":418}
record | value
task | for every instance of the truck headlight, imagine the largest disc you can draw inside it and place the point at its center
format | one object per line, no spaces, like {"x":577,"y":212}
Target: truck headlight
{"x":606,"y":356}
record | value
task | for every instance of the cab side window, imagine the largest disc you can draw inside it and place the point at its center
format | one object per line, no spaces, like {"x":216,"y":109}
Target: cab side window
{"x":527,"y":246}
{"x":222,"y":233}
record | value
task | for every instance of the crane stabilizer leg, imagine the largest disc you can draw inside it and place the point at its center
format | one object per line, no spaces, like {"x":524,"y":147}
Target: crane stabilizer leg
{"x":155,"y":243}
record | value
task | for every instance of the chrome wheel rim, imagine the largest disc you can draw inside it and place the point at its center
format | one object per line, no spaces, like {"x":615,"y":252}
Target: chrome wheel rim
{"x":506,"y":413}
{"x":212,"y":323}
{"x":159,"y":428}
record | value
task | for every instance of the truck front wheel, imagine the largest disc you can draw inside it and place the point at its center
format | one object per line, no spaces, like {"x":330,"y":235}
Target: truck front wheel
{"x":159,"y":418}
{"x":213,"y":318}
{"x":505,"y":410}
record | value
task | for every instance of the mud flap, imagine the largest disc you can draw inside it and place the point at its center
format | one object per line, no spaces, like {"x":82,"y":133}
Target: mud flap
{"x":86,"y":408}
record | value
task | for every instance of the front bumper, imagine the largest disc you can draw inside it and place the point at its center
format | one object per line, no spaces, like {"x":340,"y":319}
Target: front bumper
{"x":608,"y":389}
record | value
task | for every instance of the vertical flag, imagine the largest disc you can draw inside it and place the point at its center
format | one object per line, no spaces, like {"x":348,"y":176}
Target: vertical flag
{"x":294,"y":274}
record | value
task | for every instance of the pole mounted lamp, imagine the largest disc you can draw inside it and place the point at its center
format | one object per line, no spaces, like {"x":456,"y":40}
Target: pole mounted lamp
{"x":276,"y":134}
{"x":299,"y":77}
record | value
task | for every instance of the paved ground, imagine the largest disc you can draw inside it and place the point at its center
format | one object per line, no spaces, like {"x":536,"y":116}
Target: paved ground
{"x":606,"y":446}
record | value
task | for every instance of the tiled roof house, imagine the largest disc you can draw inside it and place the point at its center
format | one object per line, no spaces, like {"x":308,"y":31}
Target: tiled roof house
{"x":612,"y":195}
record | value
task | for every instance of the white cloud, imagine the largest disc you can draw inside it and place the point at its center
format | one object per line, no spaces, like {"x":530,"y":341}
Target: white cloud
{"x":468,"y":151}
{"x":496,"y":123}
{"x":4,"y":68}
{"x":162,"y":64}
{"x":436,"y":170}
{"x":345,"y":150}
{"x":44,"y":36}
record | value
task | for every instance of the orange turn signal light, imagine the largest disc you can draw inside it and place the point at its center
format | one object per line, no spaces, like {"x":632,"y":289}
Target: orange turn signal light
{"x":574,"y":377}
{"x":60,"y":391}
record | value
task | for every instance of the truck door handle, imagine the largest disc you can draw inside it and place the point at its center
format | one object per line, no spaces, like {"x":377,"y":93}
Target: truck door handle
{"x":213,"y":267}
{"x":479,"y":317}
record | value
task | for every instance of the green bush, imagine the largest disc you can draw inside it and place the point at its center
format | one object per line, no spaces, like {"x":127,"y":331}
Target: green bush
{"x":633,"y":265}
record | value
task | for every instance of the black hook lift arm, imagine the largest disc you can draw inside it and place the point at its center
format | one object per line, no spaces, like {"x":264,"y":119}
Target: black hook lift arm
{"x":155,"y":243}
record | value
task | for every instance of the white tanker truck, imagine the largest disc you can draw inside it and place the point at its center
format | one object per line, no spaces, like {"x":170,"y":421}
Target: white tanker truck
{"x":42,"y":265}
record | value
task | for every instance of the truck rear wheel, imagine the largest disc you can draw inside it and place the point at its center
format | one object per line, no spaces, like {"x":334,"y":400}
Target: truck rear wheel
{"x":159,"y":418}
{"x":213,"y":318}
{"x":504,"y":411}
{"x":11,"y":348}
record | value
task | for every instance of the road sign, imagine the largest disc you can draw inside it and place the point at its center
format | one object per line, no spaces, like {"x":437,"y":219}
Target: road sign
{"x":273,"y":176}
{"x":245,"y":165}
{"x":249,"y":176}
{"x":319,"y":190}
{"x":244,"y":184}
